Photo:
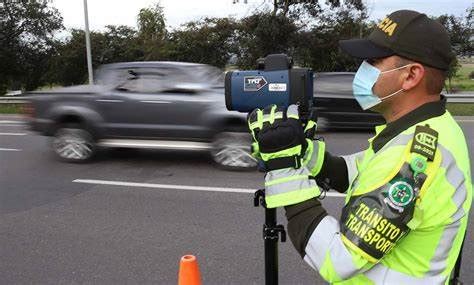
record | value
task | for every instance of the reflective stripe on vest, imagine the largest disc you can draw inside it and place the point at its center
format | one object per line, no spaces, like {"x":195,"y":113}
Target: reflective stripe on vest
{"x":442,"y":211}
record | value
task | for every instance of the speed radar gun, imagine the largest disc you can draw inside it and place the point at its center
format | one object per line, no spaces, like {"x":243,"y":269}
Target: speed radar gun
{"x":274,"y":82}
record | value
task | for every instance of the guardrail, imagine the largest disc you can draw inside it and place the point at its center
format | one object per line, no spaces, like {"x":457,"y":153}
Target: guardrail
{"x":460,"y":98}
{"x":14,"y":99}
{"x":452,"y":98}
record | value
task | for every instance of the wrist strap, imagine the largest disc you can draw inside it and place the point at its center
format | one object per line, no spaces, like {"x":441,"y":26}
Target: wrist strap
{"x":283,"y":162}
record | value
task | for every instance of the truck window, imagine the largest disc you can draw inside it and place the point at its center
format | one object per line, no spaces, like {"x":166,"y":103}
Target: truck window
{"x":144,"y":83}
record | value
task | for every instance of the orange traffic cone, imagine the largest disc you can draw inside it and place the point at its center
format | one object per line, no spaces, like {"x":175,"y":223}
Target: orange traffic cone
{"x":189,"y":271}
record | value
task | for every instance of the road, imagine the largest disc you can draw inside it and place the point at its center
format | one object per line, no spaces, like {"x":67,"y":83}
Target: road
{"x":129,"y":216}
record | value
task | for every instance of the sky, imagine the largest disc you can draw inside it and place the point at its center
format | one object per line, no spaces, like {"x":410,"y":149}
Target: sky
{"x":177,"y":12}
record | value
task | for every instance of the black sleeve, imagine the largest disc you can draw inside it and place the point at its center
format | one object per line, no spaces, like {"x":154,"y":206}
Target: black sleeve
{"x":303,"y":218}
{"x":334,"y":173}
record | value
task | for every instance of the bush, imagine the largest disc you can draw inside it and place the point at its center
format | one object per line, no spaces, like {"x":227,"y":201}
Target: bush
{"x":471,"y":75}
{"x":3,"y":89}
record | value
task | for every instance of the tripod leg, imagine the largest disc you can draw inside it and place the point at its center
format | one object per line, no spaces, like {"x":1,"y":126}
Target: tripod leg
{"x":270,"y":235}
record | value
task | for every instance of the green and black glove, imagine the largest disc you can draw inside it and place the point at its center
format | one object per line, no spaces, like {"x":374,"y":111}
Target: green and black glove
{"x":281,"y":142}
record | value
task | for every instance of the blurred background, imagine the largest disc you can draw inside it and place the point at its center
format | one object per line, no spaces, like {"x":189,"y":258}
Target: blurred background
{"x":156,"y":167}
{"x":43,"y":42}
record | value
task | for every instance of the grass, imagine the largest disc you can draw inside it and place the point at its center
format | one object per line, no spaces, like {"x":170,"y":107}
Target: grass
{"x":10,"y":108}
{"x":461,"y":81}
{"x":461,"y":109}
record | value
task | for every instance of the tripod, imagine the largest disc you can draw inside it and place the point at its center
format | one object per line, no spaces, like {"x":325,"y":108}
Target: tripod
{"x":271,"y":233}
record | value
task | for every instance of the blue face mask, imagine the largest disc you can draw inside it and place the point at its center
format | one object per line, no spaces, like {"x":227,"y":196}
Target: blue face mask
{"x":364,"y":81}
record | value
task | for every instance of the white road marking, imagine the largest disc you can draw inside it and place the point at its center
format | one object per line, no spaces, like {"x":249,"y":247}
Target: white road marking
{"x":12,"y":134}
{"x":465,"y":121}
{"x":9,"y":149}
{"x":178,"y":187}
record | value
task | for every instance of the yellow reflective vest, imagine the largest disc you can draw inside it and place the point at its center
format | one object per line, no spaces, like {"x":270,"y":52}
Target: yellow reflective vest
{"x":405,"y":213}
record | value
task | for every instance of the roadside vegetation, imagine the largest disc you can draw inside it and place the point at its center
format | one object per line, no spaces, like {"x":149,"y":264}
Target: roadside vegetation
{"x":10,"y":108}
{"x":461,"y":109}
{"x":463,"y":80}
{"x":32,"y":56}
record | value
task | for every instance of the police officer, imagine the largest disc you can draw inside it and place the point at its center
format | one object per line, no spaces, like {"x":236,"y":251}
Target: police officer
{"x":408,"y":194}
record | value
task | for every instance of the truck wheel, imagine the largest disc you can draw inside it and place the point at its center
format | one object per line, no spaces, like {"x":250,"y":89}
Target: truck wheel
{"x":72,"y":143}
{"x":231,"y":150}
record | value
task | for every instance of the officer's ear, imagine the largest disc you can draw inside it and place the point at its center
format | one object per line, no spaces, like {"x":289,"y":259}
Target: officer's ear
{"x":413,"y":76}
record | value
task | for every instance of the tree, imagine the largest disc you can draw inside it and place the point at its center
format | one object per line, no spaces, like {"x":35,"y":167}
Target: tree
{"x":468,"y":49}
{"x":26,"y":42}
{"x":152,"y":31}
{"x":452,"y":70}
{"x":312,"y":45}
{"x":210,"y":41}
{"x":115,"y":44}
{"x":460,"y":31}
{"x":68,"y":66}
{"x":121,"y":43}
{"x":313,"y":7}
{"x":264,"y":33}
{"x":319,"y":46}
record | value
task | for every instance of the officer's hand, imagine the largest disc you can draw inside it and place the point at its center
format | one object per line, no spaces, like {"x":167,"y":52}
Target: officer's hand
{"x":313,"y":151}
{"x":314,"y":155}
{"x":281,"y":140}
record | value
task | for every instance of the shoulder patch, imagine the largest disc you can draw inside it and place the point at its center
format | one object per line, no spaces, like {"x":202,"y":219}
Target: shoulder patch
{"x":425,"y":142}
{"x":374,"y":222}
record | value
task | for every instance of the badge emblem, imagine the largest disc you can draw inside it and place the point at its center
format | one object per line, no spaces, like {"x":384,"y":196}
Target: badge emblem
{"x":399,"y":195}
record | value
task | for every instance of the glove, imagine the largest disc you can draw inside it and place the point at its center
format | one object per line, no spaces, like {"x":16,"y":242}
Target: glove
{"x":314,"y":156}
{"x":315,"y":149}
{"x":279,"y":136}
{"x":281,"y":142}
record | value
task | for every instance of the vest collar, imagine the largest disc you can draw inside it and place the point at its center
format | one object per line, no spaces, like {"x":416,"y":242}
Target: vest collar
{"x":385,"y":133}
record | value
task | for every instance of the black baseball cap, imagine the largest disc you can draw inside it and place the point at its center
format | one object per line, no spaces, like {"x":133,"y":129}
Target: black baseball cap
{"x":408,"y":34}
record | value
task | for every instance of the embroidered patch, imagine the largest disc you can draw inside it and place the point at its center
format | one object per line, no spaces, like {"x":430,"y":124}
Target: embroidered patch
{"x":425,"y":142}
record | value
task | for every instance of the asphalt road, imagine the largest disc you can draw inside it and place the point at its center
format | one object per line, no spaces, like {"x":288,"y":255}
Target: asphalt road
{"x":129,"y":216}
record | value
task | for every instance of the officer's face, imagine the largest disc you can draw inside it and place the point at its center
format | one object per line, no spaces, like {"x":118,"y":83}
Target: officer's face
{"x":387,"y":83}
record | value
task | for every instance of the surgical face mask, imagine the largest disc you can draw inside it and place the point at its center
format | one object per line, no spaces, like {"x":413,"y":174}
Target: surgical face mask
{"x":364,"y":81}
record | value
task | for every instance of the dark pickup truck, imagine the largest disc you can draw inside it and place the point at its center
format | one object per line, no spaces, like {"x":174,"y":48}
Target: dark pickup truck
{"x":171,"y":105}
{"x":162,"y":105}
